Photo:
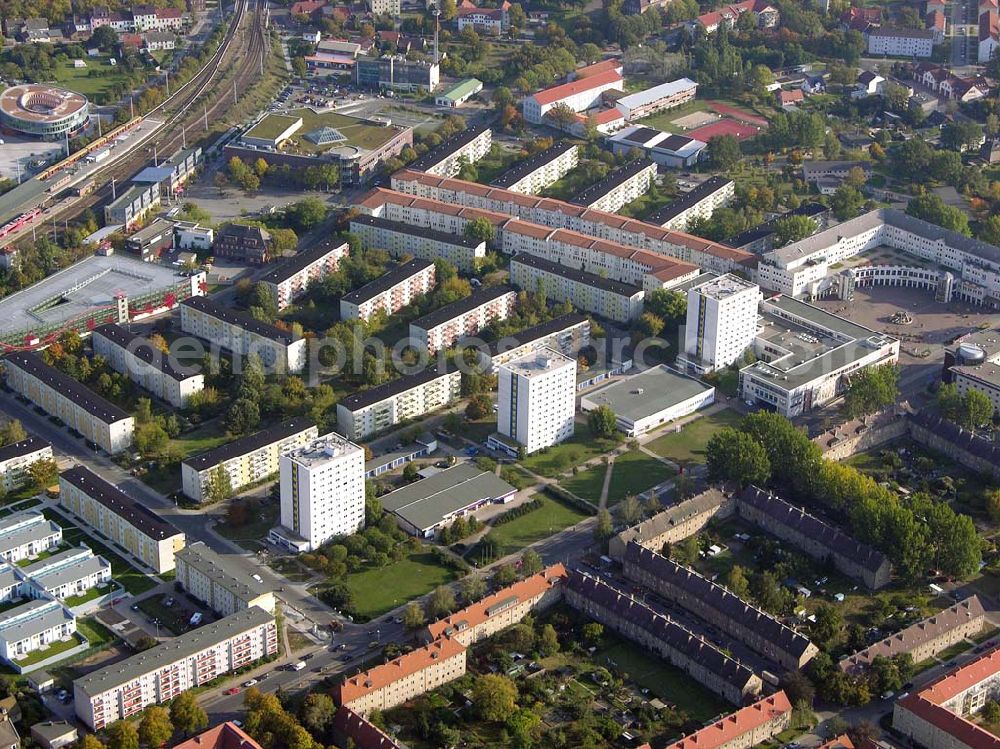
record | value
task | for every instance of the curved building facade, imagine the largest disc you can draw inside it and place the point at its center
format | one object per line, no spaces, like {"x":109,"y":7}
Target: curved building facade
{"x":43,"y":111}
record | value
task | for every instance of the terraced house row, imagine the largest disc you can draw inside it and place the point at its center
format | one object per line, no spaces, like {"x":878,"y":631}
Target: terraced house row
{"x":17,"y":457}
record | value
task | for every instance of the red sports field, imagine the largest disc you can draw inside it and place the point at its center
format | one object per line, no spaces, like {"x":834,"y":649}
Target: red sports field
{"x":724,"y":127}
{"x":737,"y":114}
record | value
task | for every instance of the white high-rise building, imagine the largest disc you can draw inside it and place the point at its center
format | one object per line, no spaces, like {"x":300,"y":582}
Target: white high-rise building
{"x":721,"y":322}
{"x":322,"y":493}
{"x":537,"y":398}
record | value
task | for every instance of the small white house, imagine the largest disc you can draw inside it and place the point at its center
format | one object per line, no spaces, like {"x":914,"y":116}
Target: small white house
{"x":79,"y":64}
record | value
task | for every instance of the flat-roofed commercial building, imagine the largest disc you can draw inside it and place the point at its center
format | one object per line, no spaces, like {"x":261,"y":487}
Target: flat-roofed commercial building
{"x":697,"y":203}
{"x":138,"y":359}
{"x":247,"y":459}
{"x":665,"y":96}
{"x":390,"y":292}
{"x":444,"y":327}
{"x":536,"y":400}
{"x":70,"y":401}
{"x":25,"y":535}
{"x":456,"y":95}
{"x":533,"y":174}
{"x":567,"y":334}
{"x":69,"y":573}
{"x":426,"y":506}
{"x":33,"y":626}
{"x":747,"y":727}
{"x":243,"y":335}
{"x":400,"y":238}
{"x":501,"y":609}
{"x":291,"y":279}
{"x":620,"y":187}
{"x":926,"y":638}
{"x":369,"y":412}
{"x":150,"y":241}
{"x":651,"y":398}
{"x":225,"y":586}
{"x":466,"y":146}
{"x":17,"y":457}
{"x":133,"y":205}
{"x":408,"y":676}
{"x":614,"y":300}
{"x":110,"y":511}
{"x":161,"y":673}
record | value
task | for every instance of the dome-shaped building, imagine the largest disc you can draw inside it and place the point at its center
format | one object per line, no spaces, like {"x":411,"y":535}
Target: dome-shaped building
{"x":43,"y":111}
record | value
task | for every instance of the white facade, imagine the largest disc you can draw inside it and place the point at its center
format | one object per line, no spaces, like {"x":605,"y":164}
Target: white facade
{"x":446,"y":159}
{"x":384,"y":7}
{"x":579,"y":95}
{"x":190,"y":236}
{"x":323,"y":490}
{"x":541,"y":170}
{"x":398,"y":234}
{"x":16,"y":459}
{"x":656,"y":99}
{"x":70,"y":573}
{"x":721,"y":322}
{"x":34,"y":626}
{"x":536,"y":399}
{"x":225,"y":586}
{"x":290,"y":281}
{"x":900,"y":43}
{"x":25,"y":535}
{"x":396,"y":289}
{"x":448,"y":325}
{"x":699,"y":203}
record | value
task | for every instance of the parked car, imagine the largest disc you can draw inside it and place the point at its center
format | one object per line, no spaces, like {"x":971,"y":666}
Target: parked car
{"x":232,"y":690}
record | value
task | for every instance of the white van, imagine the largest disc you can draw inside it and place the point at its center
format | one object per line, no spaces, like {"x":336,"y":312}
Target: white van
{"x":298,"y":666}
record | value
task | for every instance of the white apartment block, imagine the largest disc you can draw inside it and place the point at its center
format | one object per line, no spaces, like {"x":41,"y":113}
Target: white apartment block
{"x":369,"y":412}
{"x":390,"y":292}
{"x":400,"y":238}
{"x":579,"y":95}
{"x":620,"y":187}
{"x":33,"y":626}
{"x":25,"y":535}
{"x":322,"y":492}
{"x":190,"y":236}
{"x":70,"y":401}
{"x":446,"y":326}
{"x":150,"y":368}
{"x":159,"y":674}
{"x":537,"y":399}
{"x":535,"y":173}
{"x":17,"y":458}
{"x":69,"y":573}
{"x":446,"y":158}
{"x":384,"y":7}
{"x":291,"y":279}
{"x":225,"y":585}
{"x":721,"y":322}
{"x":698,"y":203}
{"x":567,"y":334}
{"x":243,"y":335}
{"x":984,"y":378}
{"x":901,"y":42}
{"x":589,"y":292}
{"x":248,"y":459}
{"x":112,"y":513}
{"x":656,"y":99}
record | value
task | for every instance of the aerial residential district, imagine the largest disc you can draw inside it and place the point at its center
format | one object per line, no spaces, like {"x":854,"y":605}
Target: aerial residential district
{"x":438,"y":374}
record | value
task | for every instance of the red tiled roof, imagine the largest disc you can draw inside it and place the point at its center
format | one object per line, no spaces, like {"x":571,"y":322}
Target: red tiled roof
{"x":598,"y":67}
{"x":736,"y":724}
{"x":557,"y":93}
{"x":168,"y":13}
{"x":791,"y":97}
{"x":364,"y":734}
{"x":989,"y":25}
{"x":223,"y":736}
{"x":840,"y":742}
{"x":604,"y":117}
{"x":935,"y":20}
{"x":305,"y":7}
{"x":376,"y":678}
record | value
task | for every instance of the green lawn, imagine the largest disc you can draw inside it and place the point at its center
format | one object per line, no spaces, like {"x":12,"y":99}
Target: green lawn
{"x":688,"y":445}
{"x":635,"y":472}
{"x":587,"y":484}
{"x":664,"y":120}
{"x":573,"y":452}
{"x":60,"y":646}
{"x":377,"y":591}
{"x":90,"y":595}
{"x":91,"y":81}
{"x":203,"y":438}
{"x":171,"y":619}
{"x":96,"y":633}
{"x":552,"y":517}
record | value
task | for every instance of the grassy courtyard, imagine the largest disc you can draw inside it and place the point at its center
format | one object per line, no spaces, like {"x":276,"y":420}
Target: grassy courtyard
{"x":378,"y":590}
{"x":90,"y":595}
{"x":688,"y":445}
{"x":635,"y":472}
{"x":59,"y":646}
{"x":92,"y":81}
{"x":573,"y":452}
{"x":587,"y":484}
{"x":552,"y":517}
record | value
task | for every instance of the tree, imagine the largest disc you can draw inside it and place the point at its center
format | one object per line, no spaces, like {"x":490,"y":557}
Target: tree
{"x":531,"y":563}
{"x":872,"y":389}
{"x":413,"y":616}
{"x":975,"y":410}
{"x":243,"y":416}
{"x":592,"y":633}
{"x":43,"y":473}
{"x":734,"y":455}
{"x":122,"y":735}
{"x":829,"y":625}
{"x":604,"y":529}
{"x":548,"y":641}
{"x":846,"y":202}
{"x":219,"y":486}
{"x":317,"y":712}
{"x":104,"y":38}
{"x":724,"y":151}
{"x":299,"y":67}
{"x":737,"y":582}
{"x":991,"y":712}
{"x":480,"y":230}
{"x":12,"y":432}
{"x":304,"y":214}
{"x":798,"y":688}
{"x":479,"y":407}
{"x":473,"y":588}
{"x":520,"y":726}
{"x":602,"y":422}
{"x":949,"y":401}
{"x":494,"y":697}
{"x":411,"y":472}
{"x":789,"y":229}
{"x":186,"y":714}
{"x":993,"y":504}
{"x":155,"y":728}
{"x":440,"y":603}
{"x":89,"y":740}
{"x":629,"y":510}
{"x":930,"y":207}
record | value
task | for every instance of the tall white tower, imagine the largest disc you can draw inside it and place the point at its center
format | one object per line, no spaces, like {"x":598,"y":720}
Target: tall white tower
{"x":721,"y":322}
{"x":537,"y":399}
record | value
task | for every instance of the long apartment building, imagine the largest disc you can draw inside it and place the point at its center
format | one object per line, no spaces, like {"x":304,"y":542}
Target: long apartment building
{"x":674,"y":643}
{"x":926,"y":638}
{"x":390,"y":292}
{"x":147,"y":366}
{"x":369,"y":412}
{"x":401,"y":238}
{"x":657,"y":98}
{"x":410,"y":675}
{"x":444,"y":327}
{"x":69,"y":573}
{"x":242,"y":335}
{"x":25,"y":535}
{"x":226,"y":586}
{"x":674,"y":524}
{"x":70,"y":401}
{"x":17,"y":457}
{"x":719,"y":607}
{"x":115,"y":515}
{"x":579,"y":95}
{"x":567,"y":334}
{"x":533,"y":174}
{"x":159,"y":674}
{"x":561,"y":215}
{"x":501,"y":609}
{"x":465,"y":147}
{"x":248,"y":459}
{"x":697,"y":203}
{"x":589,"y":292}
{"x":33,"y":626}
{"x":620,"y":187}
{"x":942,"y":714}
{"x":747,"y":727}
{"x":290,"y":280}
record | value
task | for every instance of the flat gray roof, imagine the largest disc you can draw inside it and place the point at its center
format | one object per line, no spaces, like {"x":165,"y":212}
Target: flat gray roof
{"x":425,"y":503}
{"x":65,"y":567}
{"x":19,"y":532}
{"x":171,"y":651}
{"x":648,"y":393}
{"x":230,"y":574}
{"x":31,"y":618}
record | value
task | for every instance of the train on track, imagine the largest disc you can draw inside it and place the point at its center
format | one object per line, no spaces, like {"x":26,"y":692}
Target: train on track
{"x":20,"y":222}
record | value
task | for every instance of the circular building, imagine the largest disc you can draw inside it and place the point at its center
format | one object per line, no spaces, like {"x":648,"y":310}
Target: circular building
{"x":43,"y":111}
